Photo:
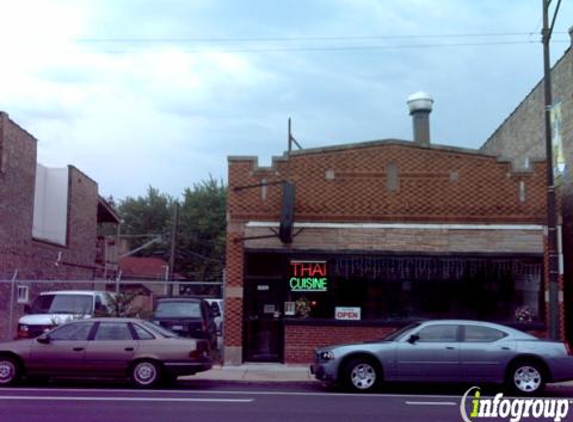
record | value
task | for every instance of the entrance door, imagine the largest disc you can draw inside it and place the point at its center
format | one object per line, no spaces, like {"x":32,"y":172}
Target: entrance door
{"x":263,"y":320}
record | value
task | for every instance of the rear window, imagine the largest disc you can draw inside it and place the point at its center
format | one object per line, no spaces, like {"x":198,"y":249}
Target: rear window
{"x":63,"y":304}
{"x":178,"y":310}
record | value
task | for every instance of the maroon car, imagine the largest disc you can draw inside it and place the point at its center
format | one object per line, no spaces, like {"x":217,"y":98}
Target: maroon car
{"x":105,"y":348}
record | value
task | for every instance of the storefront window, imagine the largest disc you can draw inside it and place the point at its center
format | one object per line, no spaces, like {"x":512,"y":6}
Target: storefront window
{"x":394,"y":288}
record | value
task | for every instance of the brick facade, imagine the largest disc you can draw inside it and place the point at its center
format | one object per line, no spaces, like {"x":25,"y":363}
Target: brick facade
{"x":301,"y":340}
{"x":20,"y":253}
{"x":385,"y":196}
{"x":436,"y":184}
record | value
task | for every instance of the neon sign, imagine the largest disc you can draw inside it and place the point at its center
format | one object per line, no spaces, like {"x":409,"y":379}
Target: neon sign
{"x":308,"y":276}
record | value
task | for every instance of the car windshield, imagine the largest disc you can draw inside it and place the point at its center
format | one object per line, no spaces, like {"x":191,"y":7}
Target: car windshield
{"x":395,"y":335}
{"x":178,"y":310}
{"x":158,"y":329}
{"x":63,"y":304}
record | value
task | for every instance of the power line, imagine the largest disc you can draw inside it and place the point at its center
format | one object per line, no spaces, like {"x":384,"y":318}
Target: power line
{"x":327,"y":48}
{"x":296,"y":39}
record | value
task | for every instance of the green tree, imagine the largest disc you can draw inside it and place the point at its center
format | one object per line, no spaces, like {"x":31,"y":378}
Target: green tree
{"x":146,"y":217}
{"x":202,"y":231}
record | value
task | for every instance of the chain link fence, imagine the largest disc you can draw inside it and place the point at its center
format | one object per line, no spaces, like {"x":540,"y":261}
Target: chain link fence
{"x":16,"y":294}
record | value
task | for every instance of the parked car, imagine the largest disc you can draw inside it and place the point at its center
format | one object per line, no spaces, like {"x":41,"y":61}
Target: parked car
{"x":104,"y":347}
{"x":53,"y":308}
{"x":188,"y":317}
{"x":450,"y":351}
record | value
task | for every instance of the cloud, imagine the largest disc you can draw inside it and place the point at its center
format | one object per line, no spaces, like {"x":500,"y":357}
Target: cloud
{"x":140,"y":92}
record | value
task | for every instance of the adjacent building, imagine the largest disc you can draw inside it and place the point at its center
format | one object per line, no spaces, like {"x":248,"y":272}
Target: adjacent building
{"x":49,"y":221}
{"x":521,"y":140}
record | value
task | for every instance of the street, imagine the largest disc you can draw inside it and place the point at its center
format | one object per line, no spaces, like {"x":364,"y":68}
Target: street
{"x":237,"y":402}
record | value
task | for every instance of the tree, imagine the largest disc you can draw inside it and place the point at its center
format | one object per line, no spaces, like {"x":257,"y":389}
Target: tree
{"x":146,"y":217}
{"x":202,"y":231}
{"x":201,"y":235}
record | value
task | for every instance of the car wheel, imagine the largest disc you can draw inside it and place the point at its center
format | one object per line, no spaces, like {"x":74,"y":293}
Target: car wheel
{"x":9,"y":371}
{"x":361,"y":375}
{"x":526,"y":377}
{"x":145,"y":373}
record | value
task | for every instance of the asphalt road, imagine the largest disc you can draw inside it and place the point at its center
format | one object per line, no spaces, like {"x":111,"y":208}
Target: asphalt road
{"x":208,"y":401}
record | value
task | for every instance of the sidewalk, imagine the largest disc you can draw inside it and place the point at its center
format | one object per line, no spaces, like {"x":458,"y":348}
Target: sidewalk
{"x":274,"y":372}
{"x":256,"y":372}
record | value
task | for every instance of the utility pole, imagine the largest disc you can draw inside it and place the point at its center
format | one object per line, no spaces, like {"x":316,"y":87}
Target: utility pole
{"x":173,"y":248}
{"x":553,"y":288}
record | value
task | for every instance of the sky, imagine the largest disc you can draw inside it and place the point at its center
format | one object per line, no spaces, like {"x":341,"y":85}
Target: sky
{"x":139,"y":93}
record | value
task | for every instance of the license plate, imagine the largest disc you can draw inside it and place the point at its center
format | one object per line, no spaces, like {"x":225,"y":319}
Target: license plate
{"x":177,"y":327}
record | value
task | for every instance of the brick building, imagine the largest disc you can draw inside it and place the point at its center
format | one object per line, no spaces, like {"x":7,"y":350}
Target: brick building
{"x":384,"y":233}
{"x":521,"y":139}
{"x":49,"y":219}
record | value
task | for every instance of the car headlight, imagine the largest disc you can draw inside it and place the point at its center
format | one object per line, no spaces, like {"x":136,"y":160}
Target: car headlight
{"x":328,"y":355}
{"x":23,"y":327}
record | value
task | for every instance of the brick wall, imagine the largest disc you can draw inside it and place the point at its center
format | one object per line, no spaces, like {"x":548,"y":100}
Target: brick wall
{"x":522,"y":134}
{"x":434,"y":185}
{"x":17,"y":182}
{"x":301,"y":340}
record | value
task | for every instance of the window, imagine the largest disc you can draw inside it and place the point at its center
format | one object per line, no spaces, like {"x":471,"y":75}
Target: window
{"x":477,"y":334}
{"x":438,"y":333}
{"x":178,"y":310}
{"x":142,"y":333}
{"x":23,"y":294}
{"x":113,"y":331}
{"x":73,"y":304}
{"x":403,"y":287}
{"x":75,"y":331}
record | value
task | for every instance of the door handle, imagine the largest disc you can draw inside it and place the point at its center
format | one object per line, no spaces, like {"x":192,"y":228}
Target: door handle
{"x":129,"y":349}
{"x":78,"y":349}
{"x":450,"y":348}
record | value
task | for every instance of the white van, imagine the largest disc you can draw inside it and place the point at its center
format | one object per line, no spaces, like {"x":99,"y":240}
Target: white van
{"x":54,"y":308}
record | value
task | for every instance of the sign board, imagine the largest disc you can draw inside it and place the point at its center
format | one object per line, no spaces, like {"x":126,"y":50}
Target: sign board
{"x":347,"y":313}
{"x":559,"y":162}
{"x":308,"y":276}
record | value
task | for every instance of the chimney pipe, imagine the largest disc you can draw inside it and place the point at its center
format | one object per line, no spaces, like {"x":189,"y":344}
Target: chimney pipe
{"x":420,"y":107}
{"x":571,"y":35}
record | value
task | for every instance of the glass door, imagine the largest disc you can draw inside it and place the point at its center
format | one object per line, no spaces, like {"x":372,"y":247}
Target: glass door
{"x":263,"y":320}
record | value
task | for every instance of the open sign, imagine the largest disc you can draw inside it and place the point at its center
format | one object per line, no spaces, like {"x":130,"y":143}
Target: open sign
{"x":347,"y":313}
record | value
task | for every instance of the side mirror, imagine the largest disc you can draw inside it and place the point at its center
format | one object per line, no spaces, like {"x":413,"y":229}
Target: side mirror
{"x":27,"y":309}
{"x":413,"y":338}
{"x":44,"y":339}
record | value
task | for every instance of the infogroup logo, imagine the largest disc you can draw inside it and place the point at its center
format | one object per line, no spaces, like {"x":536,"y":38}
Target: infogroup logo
{"x":512,"y":409}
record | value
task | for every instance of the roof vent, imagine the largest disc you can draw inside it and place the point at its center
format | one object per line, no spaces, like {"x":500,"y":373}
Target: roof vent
{"x":420,"y":106}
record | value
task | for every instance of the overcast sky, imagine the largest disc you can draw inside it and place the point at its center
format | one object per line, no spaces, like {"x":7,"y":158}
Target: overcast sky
{"x":160,"y":92}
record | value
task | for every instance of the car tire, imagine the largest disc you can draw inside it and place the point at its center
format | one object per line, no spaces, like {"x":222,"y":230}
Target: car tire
{"x":10,"y":371}
{"x":526,"y":377}
{"x":146,"y":374}
{"x":361,"y":375}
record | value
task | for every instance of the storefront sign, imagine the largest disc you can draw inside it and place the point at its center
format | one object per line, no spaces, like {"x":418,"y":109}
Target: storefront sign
{"x":308,"y":276}
{"x":347,"y":313}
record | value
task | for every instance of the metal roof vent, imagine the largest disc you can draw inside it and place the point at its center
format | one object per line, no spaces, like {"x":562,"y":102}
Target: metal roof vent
{"x":420,"y":106}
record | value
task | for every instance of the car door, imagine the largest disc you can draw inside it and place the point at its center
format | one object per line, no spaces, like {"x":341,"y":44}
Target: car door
{"x":432,"y":355}
{"x":484,"y":353}
{"x":62,"y":351}
{"x":112,"y":348}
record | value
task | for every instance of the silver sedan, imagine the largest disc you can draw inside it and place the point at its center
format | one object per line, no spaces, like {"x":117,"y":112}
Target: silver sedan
{"x":448,"y":351}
